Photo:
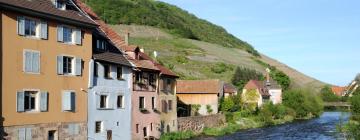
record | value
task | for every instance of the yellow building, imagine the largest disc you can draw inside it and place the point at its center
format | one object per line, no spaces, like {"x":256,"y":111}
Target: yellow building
{"x":45,"y":51}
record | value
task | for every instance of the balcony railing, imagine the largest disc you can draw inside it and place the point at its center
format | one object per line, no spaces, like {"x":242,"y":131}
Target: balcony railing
{"x":144,"y":87}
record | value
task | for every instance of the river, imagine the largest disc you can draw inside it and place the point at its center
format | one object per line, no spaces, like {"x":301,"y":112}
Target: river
{"x":322,"y":128}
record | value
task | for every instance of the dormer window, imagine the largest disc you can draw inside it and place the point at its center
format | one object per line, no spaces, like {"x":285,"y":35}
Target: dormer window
{"x":60,"y":4}
{"x":101,"y":45}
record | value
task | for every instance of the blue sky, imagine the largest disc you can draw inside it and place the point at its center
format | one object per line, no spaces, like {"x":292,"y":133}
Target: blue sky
{"x":320,"y":38}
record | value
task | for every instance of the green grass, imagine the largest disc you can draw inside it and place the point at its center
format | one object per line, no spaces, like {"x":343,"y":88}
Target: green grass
{"x":178,"y":135}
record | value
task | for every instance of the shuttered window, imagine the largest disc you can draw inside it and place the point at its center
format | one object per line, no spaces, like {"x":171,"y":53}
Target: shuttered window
{"x":31,"y":61}
{"x":32,"y":27}
{"x":67,"y":65}
{"x":74,"y":129}
{"x":68,"y":101}
{"x":69,"y":35}
{"x":24,"y":133}
{"x":98,"y":127}
{"x":32,"y":101}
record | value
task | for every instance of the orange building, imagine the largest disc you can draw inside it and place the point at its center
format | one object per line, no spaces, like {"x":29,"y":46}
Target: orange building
{"x":45,"y":52}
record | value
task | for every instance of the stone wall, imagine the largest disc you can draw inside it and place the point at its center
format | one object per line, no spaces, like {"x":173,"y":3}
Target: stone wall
{"x":198,"y":123}
{"x":65,"y":131}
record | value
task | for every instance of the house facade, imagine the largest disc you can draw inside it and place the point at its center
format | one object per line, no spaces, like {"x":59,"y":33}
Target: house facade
{"x":202,"y":93}
{"x":266,"y":91}
{"x":229,"y":90}
{"x":45,"y":59}
{"x":168,"y":100}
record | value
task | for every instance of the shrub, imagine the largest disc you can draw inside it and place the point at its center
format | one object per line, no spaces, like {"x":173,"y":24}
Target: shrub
{"x":327,"y":95}
{"x":355,"y":104}
{"x":227,"y":104}
{"x":177,"y":135}
{"x":209,"y":109}
{"x":303,"y":103}
{"x":195,"y":109}
{"x":181,"y":59}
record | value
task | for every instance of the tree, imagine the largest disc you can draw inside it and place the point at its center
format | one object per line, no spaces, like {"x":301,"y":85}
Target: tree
{"x":327,"y":95}
{"x":227,"y":104}
{"x":243,"y":75}
{"x":250,"y":99}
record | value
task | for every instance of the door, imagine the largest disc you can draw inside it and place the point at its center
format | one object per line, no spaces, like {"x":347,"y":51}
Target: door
{"x":52,"y":135}
{"x":109,"y":135}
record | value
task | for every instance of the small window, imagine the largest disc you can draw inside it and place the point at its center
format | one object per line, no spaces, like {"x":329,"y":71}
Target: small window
{"x":30,"y":100}
{"x":68,"y":65}
{"x":152,"y":80}
{"x":153,"y":103}
{"x":98,"y":127}
{"x":101,"y":45}
{"x":138,"y":77}
{"x":60,"y":4}
{"x":141,"y":102}
{"x":95,"y":69}
{"x":103,"y":101}
{"x":137,"y":128}
{"x":107,"y":71}
{"x":151,"y":126}
{"x":31,"y":61}
{"x":120,"y":101}
{"x":67,"y":35}
{"x":30,"y":27}
{"x":119,"y":73}
{"x":170,"y":105}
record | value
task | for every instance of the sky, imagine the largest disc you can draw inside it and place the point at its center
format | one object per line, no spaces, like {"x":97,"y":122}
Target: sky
{"x":320,"y":38}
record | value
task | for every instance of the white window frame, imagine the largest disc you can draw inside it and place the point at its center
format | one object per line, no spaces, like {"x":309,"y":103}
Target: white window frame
{"x":122,"y":101}
{"x":73,"y":65}
{"x":63,"y":92}
{"x":37,"y":28}
{"x":24,"y":61}
{"x":37,"y":100}
{"x":56,"y":2}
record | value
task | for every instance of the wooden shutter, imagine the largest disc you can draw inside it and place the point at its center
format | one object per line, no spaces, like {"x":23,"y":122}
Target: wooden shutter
{"x":60,"y":33}
{"x":66,"y":103}
{"x":20,"y":101}
{"x":21,"y":25}
{"x":97,"y":101}
{"x":44,"y":101}
{"x":60,"y":64}
{"x":78,"y":38}
{"x":78,"y":66}
{"x":28,"y":61}
{"x":21,"y":133}
{"x":28,"y":134}
{"x":36,"y":62}
{"x":44,"y":30}
{"x":73,"y":101}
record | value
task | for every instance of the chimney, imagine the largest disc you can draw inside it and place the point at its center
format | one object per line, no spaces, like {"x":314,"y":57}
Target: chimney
{"x":127,"y":35}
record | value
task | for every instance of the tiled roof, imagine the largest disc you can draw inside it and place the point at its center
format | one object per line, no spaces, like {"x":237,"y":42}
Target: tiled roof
{"x":338,"y":90}
{"x":198,"y":86}
{"x":229,"y":88}
{"x":165,"y":71}
{"x":112,"y":35}
{"x":112,"y":57}
{"x":145,"y":64}
{"x":46,"y":8}
{"x":254,"y":84}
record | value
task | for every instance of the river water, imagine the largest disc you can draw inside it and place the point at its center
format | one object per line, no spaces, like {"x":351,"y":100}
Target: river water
{"x":322,"y":128}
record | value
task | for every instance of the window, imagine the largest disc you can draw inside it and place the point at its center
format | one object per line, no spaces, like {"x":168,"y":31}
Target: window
{"x":107,"y":71}
{"x":101,"y":45}
{"x":30,"y":100}
{"x":153,"y":104}
{"x":138,"y":77}
{"x":170,"y":105}
{"x":68,"y":101}
{"x":24,"y":134}
{"x":31,"y":61}
{"x":152,"y":79}
{"x":119,"y":73}
{"x":151,"y":126}
{"x":60,"y":4}
{"x":67,"y":63}
{"x":141,"y":102}
{"x":137,"y":128}
{"x":30,"y":27}
{"x":103,"y":101}
{"x":167,"y":85}
{"x":67,"y":34}
{"x":95,"y":69}
{"x":98,"y":127}
{"x":164,"y":106}
{"x":120,"y":101}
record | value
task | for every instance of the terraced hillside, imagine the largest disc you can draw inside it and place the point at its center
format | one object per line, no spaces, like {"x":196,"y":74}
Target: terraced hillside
{"x":193,"y":59}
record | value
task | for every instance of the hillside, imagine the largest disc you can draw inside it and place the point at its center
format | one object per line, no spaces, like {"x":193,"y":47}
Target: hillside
{"x":174,"y":20}
{"x":193,"y":59}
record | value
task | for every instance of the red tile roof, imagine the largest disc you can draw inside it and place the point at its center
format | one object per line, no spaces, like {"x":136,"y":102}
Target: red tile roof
{"x":145,"y":64}
{"x":254,"y":84}
{"x":229,"y":88}
{"x":46,"y":7}
{"x":115,"y":58}
{"x":338,"y":90}
{"x":199,"y":86}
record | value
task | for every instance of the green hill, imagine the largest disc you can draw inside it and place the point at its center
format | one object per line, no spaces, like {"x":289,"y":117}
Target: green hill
{"x":174,"y":20}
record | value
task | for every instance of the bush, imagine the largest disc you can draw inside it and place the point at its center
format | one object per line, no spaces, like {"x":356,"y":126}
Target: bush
{"x":209,"y":109}
{"x":195,"y":109}
{"x":355,"y":104}
{"x":303,"y":103}
{"x":221,"y":68}
{"x":328,"y":96}
{"x":177,"y":135}
{"x":227,"y":104}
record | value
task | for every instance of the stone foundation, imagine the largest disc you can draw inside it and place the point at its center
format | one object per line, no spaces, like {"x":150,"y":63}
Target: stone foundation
{"x":64,"y":131}
{"x":198,"y":123}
